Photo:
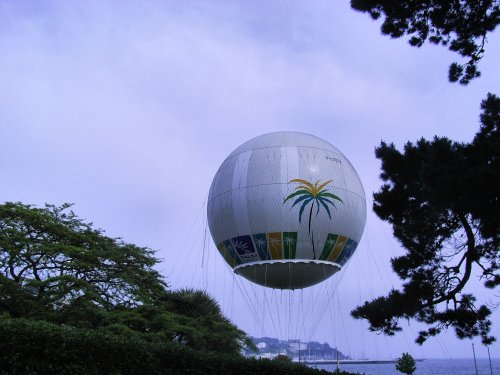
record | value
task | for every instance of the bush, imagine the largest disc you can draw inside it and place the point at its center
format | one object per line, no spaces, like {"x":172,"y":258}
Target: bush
{"x":32,"y":347}
{"x":406,"y":364}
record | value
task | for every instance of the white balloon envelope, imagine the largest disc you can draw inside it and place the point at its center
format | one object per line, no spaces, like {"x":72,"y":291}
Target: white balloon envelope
{"x":286,"y":210}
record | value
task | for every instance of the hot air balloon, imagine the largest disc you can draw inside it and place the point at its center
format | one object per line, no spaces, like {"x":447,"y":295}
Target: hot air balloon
{"x":286,"y":210}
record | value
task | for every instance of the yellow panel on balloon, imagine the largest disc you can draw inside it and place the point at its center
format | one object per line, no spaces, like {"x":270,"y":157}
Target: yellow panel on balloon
{"x":275,"y":245}
{"x":338,"y":248}
{"x":225,"y":254}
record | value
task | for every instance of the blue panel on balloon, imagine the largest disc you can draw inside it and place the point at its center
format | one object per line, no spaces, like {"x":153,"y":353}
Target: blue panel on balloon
{"x":232,"y":252}
{"x":244,"y":248}
{"x":347,"y":252}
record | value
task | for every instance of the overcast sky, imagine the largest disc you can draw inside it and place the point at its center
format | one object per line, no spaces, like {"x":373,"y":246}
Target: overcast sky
{"x":128,"y":108}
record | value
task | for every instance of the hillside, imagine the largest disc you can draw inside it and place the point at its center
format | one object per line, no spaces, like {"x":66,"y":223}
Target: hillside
{"x":270,"y":347}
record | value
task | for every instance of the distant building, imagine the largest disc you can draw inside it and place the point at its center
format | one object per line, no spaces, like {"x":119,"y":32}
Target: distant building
{"x":261,"y":345}
{"x":296,"y":346}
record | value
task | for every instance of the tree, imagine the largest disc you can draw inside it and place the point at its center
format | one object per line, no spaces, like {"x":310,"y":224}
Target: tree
{"x":442,"y":199}
{"x":406,"y":364}
{"x":52,"y":262}
{"x":215,"y":332}
{"x":460,"y":25}
{"x":57,"y":268}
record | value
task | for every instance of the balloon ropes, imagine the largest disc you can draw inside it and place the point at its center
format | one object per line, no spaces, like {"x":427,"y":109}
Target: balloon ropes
{"x":286,"y":210}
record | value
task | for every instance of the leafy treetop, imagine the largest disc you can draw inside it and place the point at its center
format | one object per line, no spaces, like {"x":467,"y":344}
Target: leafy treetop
{"x":460,"y":25}
{"x":442,"y":199}
{"x":50,"y":260}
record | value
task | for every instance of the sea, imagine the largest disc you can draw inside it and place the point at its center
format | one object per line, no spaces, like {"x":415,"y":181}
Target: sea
{"x":425,"y":367}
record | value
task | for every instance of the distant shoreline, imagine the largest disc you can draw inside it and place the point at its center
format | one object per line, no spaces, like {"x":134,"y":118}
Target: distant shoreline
{"x":351,"y":361}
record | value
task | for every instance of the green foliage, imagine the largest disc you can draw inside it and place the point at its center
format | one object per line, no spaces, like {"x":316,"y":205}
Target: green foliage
{"x":57,"y":268}
{"x":442,"y":199}
{"x":462,"y":26}
{"x":34,"y":347}
{"x":282,"y":358}
{"x":406,"y":364}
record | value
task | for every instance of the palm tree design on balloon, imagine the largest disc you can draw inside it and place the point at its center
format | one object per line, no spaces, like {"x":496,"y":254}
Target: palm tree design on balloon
{"x":316,"y":194}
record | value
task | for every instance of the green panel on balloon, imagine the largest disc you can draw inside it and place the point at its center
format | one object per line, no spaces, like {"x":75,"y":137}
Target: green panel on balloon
{"x":290,"y":244}
{"x":260,"y":241}
{"x":330,"y":242}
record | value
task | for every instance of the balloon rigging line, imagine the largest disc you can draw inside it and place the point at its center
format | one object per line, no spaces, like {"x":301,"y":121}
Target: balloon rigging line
{"x":289,"y":317}
{"x":250,"y":306}
{"x":341,"y":317}
{"x":325,"y":298}
{"x":207,"y":262}
{"x":361,"y":327}
{"x":388,"y":239}
{"x":182,"y":252}
{"x":443,"y":347}
{"x":316,"y":306}
{"x":256,"y":299}
{"x":302,"y":312}
{"x":410,"y":350}
{"x":267,"y":302}
{"x":192,"y":285}
{"x":204,"y":256}
{"x":414,"y":335}
{"x":387,"y":346}
{"x":232,"y":293}
{"x":223,"y":284}
{"x":205,"y":225}
{"x":315,"y":297}
{"x":262,"y":308}
{"x":277,"y":308}
{"x":295,"y":317}
{"x":328,"y":294}
{"x":269,"y":311}
{"x":366,"y":278}
{"x":191,"y":256}
{"x":334,"y":331}
{"x":382,"y":276}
